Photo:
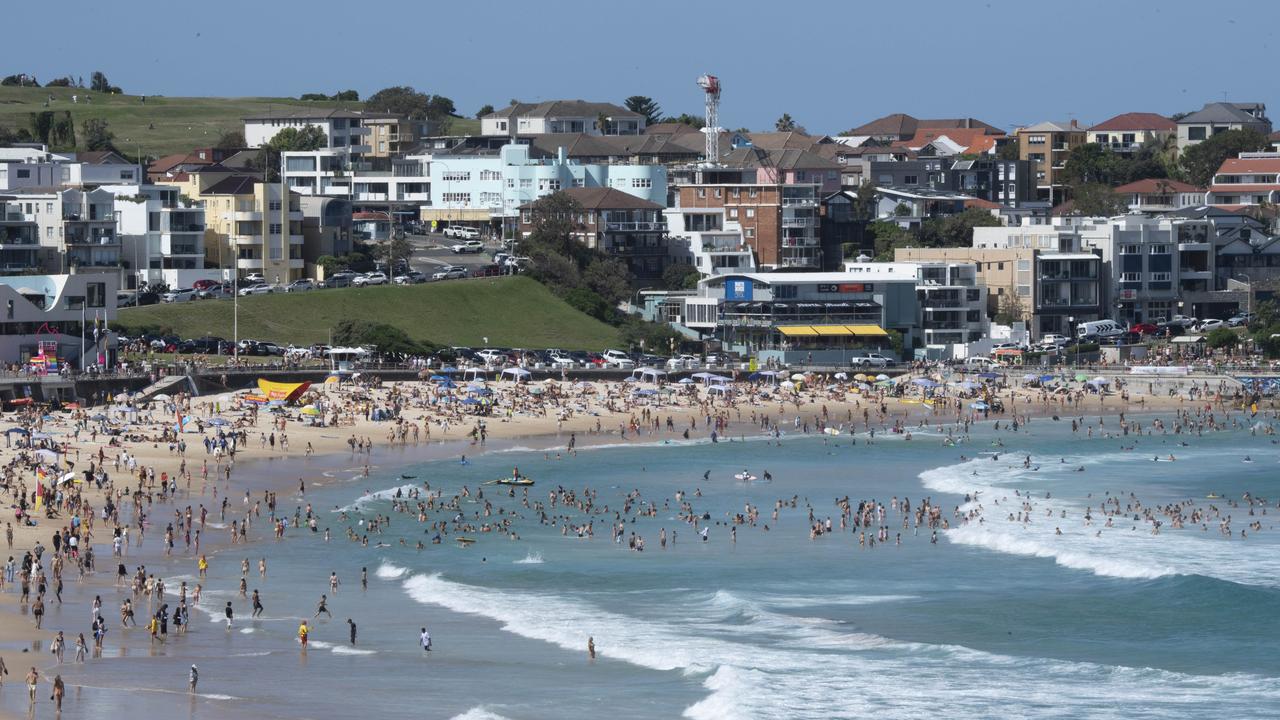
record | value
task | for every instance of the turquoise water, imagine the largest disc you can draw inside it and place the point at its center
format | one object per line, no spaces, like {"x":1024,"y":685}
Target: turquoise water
{"x":996,"y":619}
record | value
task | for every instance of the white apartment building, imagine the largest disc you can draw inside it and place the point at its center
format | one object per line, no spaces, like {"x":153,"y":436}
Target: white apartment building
{"x":28,"y":167}
{"x":335,"y":173}
{"x":470,"y":188}
{"x":343,"y":129}
{"x":562,"y":116}
{"x":161,"y":239}
{"x":713,"y":245}
{"x":76,"y":227}
{"x":952,"y":302}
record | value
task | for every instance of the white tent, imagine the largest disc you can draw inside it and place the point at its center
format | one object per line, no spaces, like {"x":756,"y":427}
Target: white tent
{"x":720,"y":390}
{"x":474,"y":374}
{"x":648,"y":374}
{"x":719,"y":380}
{"x":517,"y":374}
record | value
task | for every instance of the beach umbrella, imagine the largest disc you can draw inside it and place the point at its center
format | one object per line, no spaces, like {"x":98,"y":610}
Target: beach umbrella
{"x":161,"y":397}
{"x":220,"y":421}
{"x":797,"y":376}
{"x":845,"y":376}
{"x":1081,"y":377}
{"x":308,"y":410}
{"x":98,"y":417}
{"x":686,"y":381}
{"x":47,"y":456}
{"x":471,"y":401}
{"x":967,"y":385}
{"x":631,"y":379}
{"x":535,"y":390}
{"x":67,"y":477}
{"x":645,"y":392}
{"x":16,"y":431}
{"x":882,"y":377}
{"x":787,"y":384}
{"x":884,"y":383}
{"x":1100,"y":381}
{"x":924,"y":382}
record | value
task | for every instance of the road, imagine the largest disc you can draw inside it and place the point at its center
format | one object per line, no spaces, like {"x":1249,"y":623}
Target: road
{"x":430,"y":252}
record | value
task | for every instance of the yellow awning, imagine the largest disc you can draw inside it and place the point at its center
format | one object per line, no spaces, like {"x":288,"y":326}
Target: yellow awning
{"x":867,"y":330}
{"x":833,"y":330}
{"x":796,"y":330}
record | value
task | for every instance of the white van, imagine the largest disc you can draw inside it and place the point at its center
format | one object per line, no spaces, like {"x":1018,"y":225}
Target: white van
{"x":1099,"y":329}
{"x":981,"y":363}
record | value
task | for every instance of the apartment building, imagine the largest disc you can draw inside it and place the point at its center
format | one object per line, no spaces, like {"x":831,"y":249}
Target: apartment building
{"x":77,"y":227}
{"x":58,"y":314}
{"x":19,"y":238}
{"x":161,"y":237}
{"x":780,"y":222}
{"x":343,"y":129}
{"x":485,"y":189}
{"x":1046,"y":146}
{"x":1218,"y":117}
{"x":1251,"y":179}
{"x":369,"y":182}
{"x":36,"y":167}
{"x":619,"y":225}
{"x":1157,"y":196}
{"x":257,"y":224}
{"x":708,"y":242}
{"x":562,"y":116}
{"x":1128,"y":132}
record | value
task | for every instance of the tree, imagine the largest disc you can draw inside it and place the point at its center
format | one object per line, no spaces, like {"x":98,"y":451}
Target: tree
{"x":307,"y":137}
{"x":98,"y":83}
{"x":231,"y":140}
{"x":645,"y":106}
{"x":785,"y":123}
{"x":8,"y":137}
{"x":680,"y":276}
{"x":1008,"y":150}
{"x":1096,"y":199}
{"x":589,"y":302}
{"x":609,"y":278}
{"x":693,"y":121}
{"x":1011,"y":310}
{"x":20,"y":80}
{"x":62,"y":134}
{"x":954,"y":230}
{"x":864,"y":202}
{"x":404,"y":100}
{"x":394,"y":249}
{"x":485,"y":110}
{"x":41,"y":126}
{"x":387,"y":338}
{"x":97,"y":135}
{"x":347,"y":96}
{"x":1202,"y":160}
{"x":1221,"y":338}
{"x":61,"y":82}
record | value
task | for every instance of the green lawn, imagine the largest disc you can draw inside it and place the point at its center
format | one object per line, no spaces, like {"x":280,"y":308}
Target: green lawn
{"x":509,"y":311}
{"x":161,"y":125}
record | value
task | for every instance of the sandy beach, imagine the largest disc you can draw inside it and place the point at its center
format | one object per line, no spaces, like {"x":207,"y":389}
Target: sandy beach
{"x":122,"y":457}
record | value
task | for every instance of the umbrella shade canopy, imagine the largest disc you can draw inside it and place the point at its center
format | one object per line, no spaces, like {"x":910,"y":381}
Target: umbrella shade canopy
{"x":310,"y":410}
{"x":967,"y":385}
{"x":1081,"y":377}
{"x":979,"y":405}
{"x":471,"y":401}
{"x":686,"y":381}
{"x":924,"y":382}
{"x":162,"y":397}
{"x":220,"y":421}
{"x":16,"y":431}
{"x":1100,"y":381}
{"x":517,"y":372}
{"x":797,"y":376}
{"x":47,"y":456}
{"x":98,"y":418}
{"x":646,"y":392}
{"x":480,"y":390}
{"x":882,"y":377}
{"x":845,"y":376}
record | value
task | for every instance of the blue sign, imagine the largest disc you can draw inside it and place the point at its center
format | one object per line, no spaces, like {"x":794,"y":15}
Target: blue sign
{"x":737,"y":289}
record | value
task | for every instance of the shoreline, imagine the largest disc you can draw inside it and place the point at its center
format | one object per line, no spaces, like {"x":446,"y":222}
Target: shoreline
{"x":275,"y":473}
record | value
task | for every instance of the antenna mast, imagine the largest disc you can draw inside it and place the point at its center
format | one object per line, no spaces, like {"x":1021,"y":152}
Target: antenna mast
{"x":710,"y":84}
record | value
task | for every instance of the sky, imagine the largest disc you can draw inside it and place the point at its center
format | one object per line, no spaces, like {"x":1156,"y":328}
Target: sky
{"x":830,"y":65}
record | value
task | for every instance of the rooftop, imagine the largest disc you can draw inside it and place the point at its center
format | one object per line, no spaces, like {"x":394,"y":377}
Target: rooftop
{"x":1158,"y":185}
{"x":1221,"y":112}
{"x":296,"y":113}
{"x":564,"y":108}
{"x":607,"y":199}
{"x":1134,"y":121}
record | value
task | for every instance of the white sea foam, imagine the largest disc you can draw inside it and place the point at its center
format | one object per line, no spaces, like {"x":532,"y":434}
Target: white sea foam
{"x":247,"y":631}
{"x":367,"y":498}
{"x":1127,"y":550}
{"x":479,"y":712}
{"x":530,"y":558}
{"x":759,"y":663}
{"x":347,"y":650}
{"x":387,"y":571}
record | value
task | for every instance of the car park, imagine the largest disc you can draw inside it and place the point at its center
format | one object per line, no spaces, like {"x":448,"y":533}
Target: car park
{"x":373,"y":278}
{"x":449,"y":272}
{"x":179,"y":295}
{"x":301,"y":285}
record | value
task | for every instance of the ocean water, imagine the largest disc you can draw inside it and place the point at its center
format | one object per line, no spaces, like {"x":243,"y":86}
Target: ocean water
{"x":996,"y":619}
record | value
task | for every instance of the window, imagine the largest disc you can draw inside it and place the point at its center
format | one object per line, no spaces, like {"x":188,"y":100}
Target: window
{"x":275,"y":228}
{"x":74,"y":302}
{"x":733,"y":213}
{"x":753,"y":193}
{"x":545,"y":185}
{"x":749,"y":232}
{"x":274,"y":206}
{"x":719,"y":192}
{"x":751,"y":212}
{"x":999,"y":266}
{"x":735,"y":193}
{"x":24,"y":173}
{"x":48,"y":232}
{"x":702,"y":193}
{"x":462,"y":176}
{"x":1130,"y":249}
{"x":457,"y":197}
{"x":526,"y":183}
{"x":491,"y":175}
{"x":1195,"y":133}
{"x":1159,"y":249}
{"x":97,"y":294}
{"x":784,"y":292}
{"x":641,"y":182}
{"x":1035,"y":139}
{"x":910,"y":180}
{"x":579,"y":182}
{"x":1131,"y":277}
{"x":126,"y":174}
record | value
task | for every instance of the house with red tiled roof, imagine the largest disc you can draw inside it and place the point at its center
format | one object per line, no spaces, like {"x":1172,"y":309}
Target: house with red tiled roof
{"x":1127,"y":132}
{"x":1160,"y":195}
{"x":953,"y":141}
{"x":901,"y":126}
{"x":1251,"y":179}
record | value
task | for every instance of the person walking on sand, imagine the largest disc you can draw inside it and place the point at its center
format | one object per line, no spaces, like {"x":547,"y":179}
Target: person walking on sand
{"x":33,"y":678}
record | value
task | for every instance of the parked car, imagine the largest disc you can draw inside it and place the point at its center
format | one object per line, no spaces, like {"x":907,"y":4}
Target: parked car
{"x":462,"y":232}
{"x":256,"y":289}
{"x":979,"y":362}
{"x":1170,"y":329}
{"x":490,"y":356}
{"x":1144,"y":329}
{"x":618,"y":359}
{"x":179,"y":295}
{"x":1186,"y":321}
{"x":205,"y":284}
{"x":490,"y":270}
{"x":1211,"y":324}
{"x":1008,"y":346}
{"x":413,"y":277}
{"x":470,"y":246}
{"x":449,"y":272}
{"x":871,"y":360}
{"x":559,"y":360}
{"x":373,"y":278}
{"x":1239,"y":319}
{"x":682,"y":362}
{"x":340,"y":279}
{"x":302,"y":285}
{"x":252,"y":278}
{"x":1053,"y":340}
{"x":216,"y":292}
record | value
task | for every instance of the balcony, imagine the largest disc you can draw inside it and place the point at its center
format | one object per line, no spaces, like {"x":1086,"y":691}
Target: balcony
{"x":635,"y":226}
{"x":414,"y":196}
{"x":248,"y":216}
{"x":799,"y":201}
{"x":789,"y":261}
{"x":186,"y":227}
{"x":249,"y":263}
{"x":96,"y":237}
{"x":1121,"y":147}
{"x":369,"y":197}
{"x":796,"y":222}
{"x":637,"y":250}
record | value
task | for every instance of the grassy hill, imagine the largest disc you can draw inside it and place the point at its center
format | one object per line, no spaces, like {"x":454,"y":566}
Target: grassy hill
{"x":161,"y":125}
{"x":509,"y":311}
